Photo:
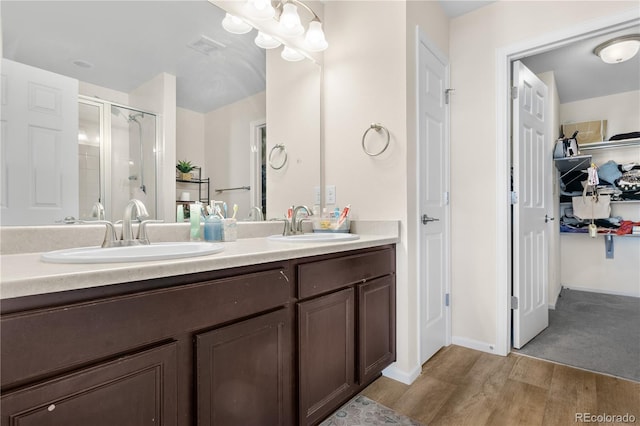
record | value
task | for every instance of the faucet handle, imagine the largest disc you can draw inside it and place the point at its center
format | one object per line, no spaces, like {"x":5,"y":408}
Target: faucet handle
{"x":287,"y":226}
{"x":142,"y":230}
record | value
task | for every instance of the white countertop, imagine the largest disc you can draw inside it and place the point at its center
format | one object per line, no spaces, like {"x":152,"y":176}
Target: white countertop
{"x":25,"y":274}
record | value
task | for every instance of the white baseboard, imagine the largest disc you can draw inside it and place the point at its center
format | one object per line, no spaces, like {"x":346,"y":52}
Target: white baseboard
{"x":406,"y":377}
{"x":474,"y":344}
{"x":599,"y":290}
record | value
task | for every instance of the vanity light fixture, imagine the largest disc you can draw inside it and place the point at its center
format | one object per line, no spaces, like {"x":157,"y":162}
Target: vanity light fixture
{"x":266,"y":41}
{"x":235,"y":25}
{"x":619,"y":49}
{"x":289,"y":25}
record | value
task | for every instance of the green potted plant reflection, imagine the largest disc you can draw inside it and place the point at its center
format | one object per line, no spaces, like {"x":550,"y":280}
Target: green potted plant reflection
{"x":185,"y":168}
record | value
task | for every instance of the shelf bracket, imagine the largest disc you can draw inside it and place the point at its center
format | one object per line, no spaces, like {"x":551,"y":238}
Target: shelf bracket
{"x":608,"y":246}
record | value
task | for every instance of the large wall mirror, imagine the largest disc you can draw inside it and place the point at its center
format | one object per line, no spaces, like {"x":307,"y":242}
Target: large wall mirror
{"x":155,"y":82}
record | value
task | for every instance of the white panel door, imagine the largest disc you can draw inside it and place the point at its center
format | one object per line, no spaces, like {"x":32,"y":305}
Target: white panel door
{"x":433,"y":175}
{"x":531,"y":164}
{"x":39,"y":145}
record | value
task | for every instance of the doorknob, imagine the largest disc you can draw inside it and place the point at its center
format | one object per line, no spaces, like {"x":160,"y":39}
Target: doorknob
{"x":547,"y":218}
{"x":426,"y":219}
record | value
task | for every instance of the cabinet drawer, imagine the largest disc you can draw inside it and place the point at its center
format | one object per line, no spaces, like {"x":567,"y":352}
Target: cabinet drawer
{"x":136,"y":390}
{"x":331,"y":274}
{"x":43,"y":342}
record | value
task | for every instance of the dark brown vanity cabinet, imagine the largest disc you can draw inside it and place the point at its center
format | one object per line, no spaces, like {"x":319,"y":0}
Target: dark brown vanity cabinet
{"x":280,"y":344}
{"x":346,"y":328}
{"x":139,"y":389}
{"x":244,"y":372}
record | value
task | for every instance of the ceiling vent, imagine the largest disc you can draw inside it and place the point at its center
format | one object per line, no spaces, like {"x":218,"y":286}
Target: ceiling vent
{"x":206,"y":46}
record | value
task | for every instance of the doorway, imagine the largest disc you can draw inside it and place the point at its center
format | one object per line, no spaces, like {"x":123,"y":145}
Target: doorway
{"x":504,"y":58}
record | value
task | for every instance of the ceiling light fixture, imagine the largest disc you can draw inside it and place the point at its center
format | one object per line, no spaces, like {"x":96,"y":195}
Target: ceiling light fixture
{"x":289,"y":25}
{"x":619,"y":49}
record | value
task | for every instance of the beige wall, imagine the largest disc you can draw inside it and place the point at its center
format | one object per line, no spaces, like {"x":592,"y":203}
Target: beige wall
{"x":370,"y":77}
{"x":474,"y":39}
{"x":226,"y":149}
{"x":190,"y":147}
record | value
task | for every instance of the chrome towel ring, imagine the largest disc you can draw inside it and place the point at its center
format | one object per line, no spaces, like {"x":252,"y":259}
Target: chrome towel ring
{"x":379,"y":128}
{"x":279,"y":147}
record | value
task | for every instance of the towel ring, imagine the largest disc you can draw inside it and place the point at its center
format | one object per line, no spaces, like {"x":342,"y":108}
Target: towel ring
{"x":378,"y":127}
{"x":281,"y":148}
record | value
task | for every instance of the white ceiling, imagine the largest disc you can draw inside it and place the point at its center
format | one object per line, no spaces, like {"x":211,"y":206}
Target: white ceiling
{"x":130,"y":42}
{"x":581,"y":75}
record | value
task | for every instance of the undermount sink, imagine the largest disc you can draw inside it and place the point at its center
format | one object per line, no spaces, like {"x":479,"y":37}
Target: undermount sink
{"x":316,"y":237}
{"x":141,"y":253}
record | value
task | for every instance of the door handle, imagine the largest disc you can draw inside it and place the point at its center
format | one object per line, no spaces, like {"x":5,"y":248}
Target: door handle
{"x":426,"y":219}
{"x":547,"y":218}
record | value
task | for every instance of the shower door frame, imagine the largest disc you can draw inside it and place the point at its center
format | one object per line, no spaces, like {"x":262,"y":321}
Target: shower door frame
{"x":105,"y":151}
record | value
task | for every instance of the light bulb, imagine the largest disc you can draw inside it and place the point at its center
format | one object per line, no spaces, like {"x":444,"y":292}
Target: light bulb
{"x":315,"y":37}
{"x":291,"y":55}
{"x":259,"y":9}
{"x":620,"y":52}
{"x":235,"y":25}
{"x":266,"y":41}
{"x":290,"y":21}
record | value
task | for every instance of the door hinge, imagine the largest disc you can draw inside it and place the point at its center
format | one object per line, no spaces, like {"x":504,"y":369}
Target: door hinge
{"x":447,"y":95}
{"x":514,"y":197}
{"x":514,"y":92}
{"x":514,"y":302}
{"x":446,"y":198}
{"x":446,"y":299}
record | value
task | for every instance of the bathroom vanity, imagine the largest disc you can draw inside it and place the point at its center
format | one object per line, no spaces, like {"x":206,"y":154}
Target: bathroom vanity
{"x":281,"y":342}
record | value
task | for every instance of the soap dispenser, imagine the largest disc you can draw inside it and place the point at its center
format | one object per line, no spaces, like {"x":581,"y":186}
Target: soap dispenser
{"x":213,"y":228}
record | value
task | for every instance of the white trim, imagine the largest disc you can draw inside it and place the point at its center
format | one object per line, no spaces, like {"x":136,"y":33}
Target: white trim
{"x":601,"y":291}
{"x":504,"y":56}
{"x":255,"y":157}
{"x":477,"y":345}
{"x":422,"y":38}
{"x":406,"y":377}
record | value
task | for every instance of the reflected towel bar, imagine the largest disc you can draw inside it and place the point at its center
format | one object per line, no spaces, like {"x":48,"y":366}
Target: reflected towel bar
{"x":248,"y":188}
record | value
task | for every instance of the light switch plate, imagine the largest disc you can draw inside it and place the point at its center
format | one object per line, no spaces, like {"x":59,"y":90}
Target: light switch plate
{"x":316,"y":195}
{"x":331,"y":194}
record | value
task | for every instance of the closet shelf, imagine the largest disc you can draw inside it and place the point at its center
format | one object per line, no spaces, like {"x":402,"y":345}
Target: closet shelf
{"x":623,"y":143}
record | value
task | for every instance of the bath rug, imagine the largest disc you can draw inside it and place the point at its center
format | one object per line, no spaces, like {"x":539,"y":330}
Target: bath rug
{"x":364,"y":411}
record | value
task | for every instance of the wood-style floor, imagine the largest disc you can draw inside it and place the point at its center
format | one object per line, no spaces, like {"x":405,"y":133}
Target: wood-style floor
{"x":460,"y":386}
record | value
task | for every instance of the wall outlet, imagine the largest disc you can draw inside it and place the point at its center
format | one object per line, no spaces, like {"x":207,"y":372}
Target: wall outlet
{"x":331,"y":194}
{"x":316,"y":195}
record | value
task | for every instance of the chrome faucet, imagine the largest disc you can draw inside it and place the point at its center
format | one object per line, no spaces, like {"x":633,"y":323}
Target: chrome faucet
{"x":97,"y":211}
{"x":256,"y":212}
{"x":137,"y":207}
{"x":296,"y":224}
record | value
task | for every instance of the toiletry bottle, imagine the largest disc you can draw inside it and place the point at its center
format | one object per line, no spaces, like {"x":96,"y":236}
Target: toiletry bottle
{"x":195,"y":211}
{"x":180,"y":213}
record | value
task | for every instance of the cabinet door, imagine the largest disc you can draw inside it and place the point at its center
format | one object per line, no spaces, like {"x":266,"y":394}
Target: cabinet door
{"x":376,"y":327}
{"x":326,"y":354}
{"x":135,"y":390}
{"x":244,"y":373}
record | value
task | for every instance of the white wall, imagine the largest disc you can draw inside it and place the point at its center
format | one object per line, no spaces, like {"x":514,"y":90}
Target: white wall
{"x":583,"y":262}
{"x":474,"y":39}
{"x":622,"y":112}
{"x":226,"y":148}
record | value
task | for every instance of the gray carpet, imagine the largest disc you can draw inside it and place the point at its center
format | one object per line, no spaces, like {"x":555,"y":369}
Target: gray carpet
{"x":594,"y":331}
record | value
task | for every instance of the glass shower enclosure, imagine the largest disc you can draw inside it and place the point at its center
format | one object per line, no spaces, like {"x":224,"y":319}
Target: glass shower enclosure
{"x":117,"y":147}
